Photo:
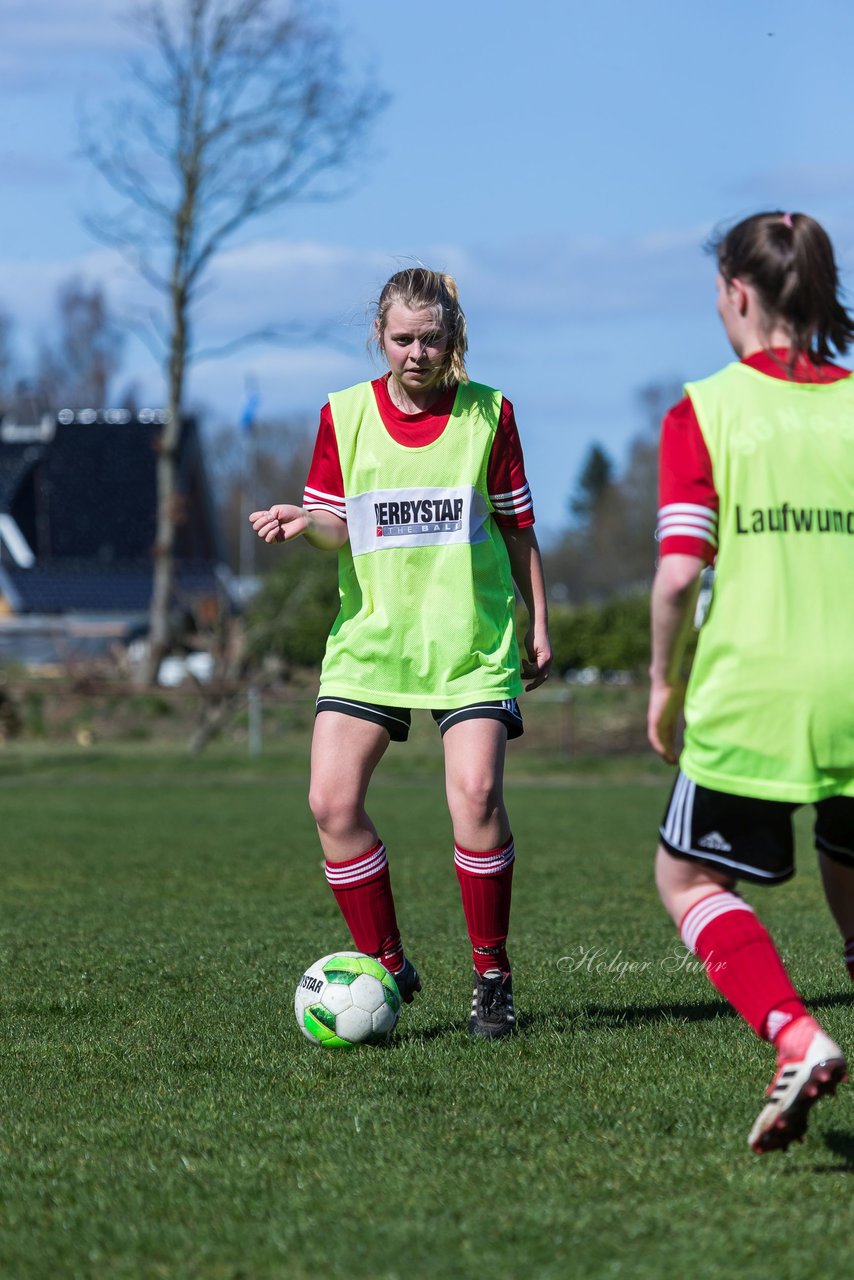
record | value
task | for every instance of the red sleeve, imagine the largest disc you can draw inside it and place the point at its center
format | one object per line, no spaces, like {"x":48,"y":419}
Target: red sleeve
{"x":508,"y":489}
{"x":687,"y":499}
{"x":324,"y":488}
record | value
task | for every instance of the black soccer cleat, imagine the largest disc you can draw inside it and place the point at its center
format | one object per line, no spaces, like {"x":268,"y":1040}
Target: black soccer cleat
{"x":492,"y":1005}
{"x":408,"y":981}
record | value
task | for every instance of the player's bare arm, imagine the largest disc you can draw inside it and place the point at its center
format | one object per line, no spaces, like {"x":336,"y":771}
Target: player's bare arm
{"x":526,"y":567}
{"x":283,"y":522}
{"x":674,"y":598}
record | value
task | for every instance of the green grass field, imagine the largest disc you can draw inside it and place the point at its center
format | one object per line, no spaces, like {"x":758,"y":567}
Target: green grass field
{"x":163,"y":1117}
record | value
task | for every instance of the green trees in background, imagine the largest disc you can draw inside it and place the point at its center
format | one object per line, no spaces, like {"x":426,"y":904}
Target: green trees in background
{"x":600,"y":570}
{"x":611,"y":636}
{"x":290,"y":618}
{"x":608,"y":547}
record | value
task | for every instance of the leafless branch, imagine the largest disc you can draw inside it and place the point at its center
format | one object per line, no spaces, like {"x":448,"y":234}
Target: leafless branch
{"x":237,"y":107}
{"x":273,"y":333}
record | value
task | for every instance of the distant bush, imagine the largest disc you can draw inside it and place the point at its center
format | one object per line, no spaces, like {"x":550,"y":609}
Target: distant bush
{"x":613,"y":636}
{"x":292,"y":615}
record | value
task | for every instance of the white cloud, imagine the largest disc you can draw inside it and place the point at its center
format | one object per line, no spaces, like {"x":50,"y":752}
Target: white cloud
{"x":28,"y":286}
{"x":791,"y":183}
{"x":548,"y":318}
{"x":510,"y":292}
{"x":554,"y":282}
{"x":47,"y":43}
{"x":43,"y":38}
{"x":562,"y":279}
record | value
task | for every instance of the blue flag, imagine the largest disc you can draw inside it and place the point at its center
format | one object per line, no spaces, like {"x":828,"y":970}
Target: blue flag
{"x":247,"y":417}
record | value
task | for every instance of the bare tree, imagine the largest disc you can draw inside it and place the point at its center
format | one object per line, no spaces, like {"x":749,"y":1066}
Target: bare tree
{"x":77,"y":367}
{"x":610,"y":548}
{"x":7,"y":362}
{"x":242,"y":106}
{"x":281,"y":455}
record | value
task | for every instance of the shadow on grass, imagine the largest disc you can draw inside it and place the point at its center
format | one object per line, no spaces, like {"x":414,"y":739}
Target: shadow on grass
{"x":839,"y":1144}
{"x":637,"y":1015}
{"x":426,"y":1034}
{"x":840,"y":1001}
{"x":699,"y":1011}
{"x":842,"y":1145}
{"x":567,"y":1018}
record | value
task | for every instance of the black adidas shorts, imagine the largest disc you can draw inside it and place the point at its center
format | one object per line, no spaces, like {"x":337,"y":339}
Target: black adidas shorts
{"x":397,"y":720}
{"x":750,"y":839}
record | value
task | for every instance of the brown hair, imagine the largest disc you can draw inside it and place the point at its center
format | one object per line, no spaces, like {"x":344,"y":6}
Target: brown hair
{"x":418,"y":288}
{"x":788,"y":258}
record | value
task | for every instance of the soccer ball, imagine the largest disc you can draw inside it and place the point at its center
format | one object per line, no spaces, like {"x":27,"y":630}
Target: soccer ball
{"x":345,"y":999}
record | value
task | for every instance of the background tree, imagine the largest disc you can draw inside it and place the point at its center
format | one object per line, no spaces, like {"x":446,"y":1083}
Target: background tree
{"x":291,"y":616}
{"x":594,"y":481}
{"x":7,"y":362}
{"x":76,"y":368}
{"x":639,"y":484}
{"x":242,"y":106}
{"x":609,"y":547}
{"x":573,"y":564}
{"x":281,"y":454}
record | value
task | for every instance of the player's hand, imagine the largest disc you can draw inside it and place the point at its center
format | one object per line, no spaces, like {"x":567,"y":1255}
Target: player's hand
{"x":279,"y":523}
{"x":665,"y":704}
{"x":537,"y":666}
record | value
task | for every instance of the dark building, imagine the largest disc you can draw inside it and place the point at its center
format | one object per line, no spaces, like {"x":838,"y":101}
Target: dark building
{"x":78,"y":504}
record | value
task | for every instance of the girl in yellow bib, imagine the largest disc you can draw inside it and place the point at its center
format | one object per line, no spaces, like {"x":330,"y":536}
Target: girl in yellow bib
{"x":418,"y":481}
{"x":757,"y":477}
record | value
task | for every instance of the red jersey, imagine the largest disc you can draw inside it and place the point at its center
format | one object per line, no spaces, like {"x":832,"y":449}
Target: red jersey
{"x":688,"y":501}
{"x":505,"y":477}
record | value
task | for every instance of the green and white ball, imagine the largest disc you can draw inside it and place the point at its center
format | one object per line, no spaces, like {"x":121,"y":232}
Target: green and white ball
{"x":346,"y":999}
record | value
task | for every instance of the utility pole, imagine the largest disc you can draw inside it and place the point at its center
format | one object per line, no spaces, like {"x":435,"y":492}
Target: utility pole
{"x":249,"y":495}
{"x":247,"y":480}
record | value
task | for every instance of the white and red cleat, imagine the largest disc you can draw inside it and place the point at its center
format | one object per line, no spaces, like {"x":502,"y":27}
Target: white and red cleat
{"x":809,"y":1067}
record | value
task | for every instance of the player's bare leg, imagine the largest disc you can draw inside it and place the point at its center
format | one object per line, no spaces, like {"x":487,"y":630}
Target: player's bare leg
{"x":483,"y":855}
{"x":474,"y":783}
{"x":345,"y":751}
{"x":344,"y":754}
{"x":838,"y":881}
{"x":681,"y":884}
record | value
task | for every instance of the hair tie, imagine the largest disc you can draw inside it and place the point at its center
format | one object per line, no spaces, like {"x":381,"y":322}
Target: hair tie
{"x":787,"y":220}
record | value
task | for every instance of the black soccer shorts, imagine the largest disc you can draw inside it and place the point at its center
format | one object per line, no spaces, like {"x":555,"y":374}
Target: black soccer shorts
{"x":747,"y":838}
{"x":397,"y":720}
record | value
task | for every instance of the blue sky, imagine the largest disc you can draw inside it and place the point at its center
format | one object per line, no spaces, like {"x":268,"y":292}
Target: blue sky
{"x":564,"y":160}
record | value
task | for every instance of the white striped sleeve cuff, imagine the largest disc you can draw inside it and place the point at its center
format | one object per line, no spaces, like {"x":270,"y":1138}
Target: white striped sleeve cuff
{"x":514,"y":503}
{"x":687,"y":520}
{"x":315,"y":500}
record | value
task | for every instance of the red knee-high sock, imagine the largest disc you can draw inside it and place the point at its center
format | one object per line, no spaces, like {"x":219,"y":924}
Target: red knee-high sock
{"x":849,"y":957}
{"x":742,"y":962}
{"x":362,"y":888}
{"x":486,"y":879}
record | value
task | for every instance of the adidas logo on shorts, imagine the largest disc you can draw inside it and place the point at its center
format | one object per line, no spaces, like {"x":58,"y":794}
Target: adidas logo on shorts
{"x":714,"y":840}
